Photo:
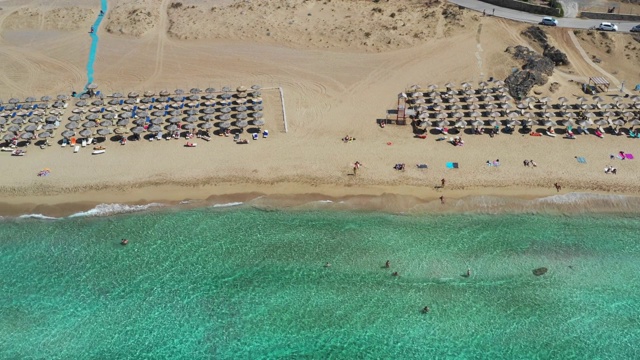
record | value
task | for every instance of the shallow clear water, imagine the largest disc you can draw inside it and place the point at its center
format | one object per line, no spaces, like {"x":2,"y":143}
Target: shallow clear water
{"x":245,"y":283}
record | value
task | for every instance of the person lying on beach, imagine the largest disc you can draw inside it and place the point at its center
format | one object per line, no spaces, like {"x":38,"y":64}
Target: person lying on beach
{"x":533,"y":163}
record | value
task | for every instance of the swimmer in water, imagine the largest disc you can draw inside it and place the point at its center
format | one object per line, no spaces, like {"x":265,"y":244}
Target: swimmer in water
{"x":425,"y":310}
{"x":468,"y":272}
{"x":124,"y":242}
{"x":395,"y":273}
{"x":327,"y":265}
{"x":387,"y":264}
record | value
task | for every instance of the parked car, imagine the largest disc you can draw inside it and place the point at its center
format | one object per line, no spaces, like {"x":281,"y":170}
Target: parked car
{"x":605,"y":26}
{"x":635,"y":28}
{"x":549,"y":21}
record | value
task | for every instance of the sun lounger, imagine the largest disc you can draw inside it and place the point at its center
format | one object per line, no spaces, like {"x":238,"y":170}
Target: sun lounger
{"x":84,"y":142}
{"x":265,"y":134}
{"x":452,"y":165}
{"x":422,"y":166}
{"x":76,"y":148}
{"x":242,"y":141}
{"x":581,"y":159}
{"x":98,"y":152}
{"x":535,"y":134}
{"x":254,"y":136}
{"x":423,"y":136}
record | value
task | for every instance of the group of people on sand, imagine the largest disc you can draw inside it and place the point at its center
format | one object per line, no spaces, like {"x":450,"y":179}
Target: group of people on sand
{"x":348,"y":138}
{"x":399,"y":167}
{"x":493,"y":163}
{"x":531,"y":163}
{"x":456,"y":141}
{"x":610,"y":170}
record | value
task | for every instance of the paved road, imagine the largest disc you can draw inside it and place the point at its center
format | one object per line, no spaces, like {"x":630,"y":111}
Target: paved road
{"x":533,"y":18}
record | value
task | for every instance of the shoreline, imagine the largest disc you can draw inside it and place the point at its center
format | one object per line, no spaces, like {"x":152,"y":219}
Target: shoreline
{"x":299,"y":196}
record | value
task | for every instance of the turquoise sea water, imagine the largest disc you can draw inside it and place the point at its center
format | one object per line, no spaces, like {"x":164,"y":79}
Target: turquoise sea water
{"x":250,"y":284}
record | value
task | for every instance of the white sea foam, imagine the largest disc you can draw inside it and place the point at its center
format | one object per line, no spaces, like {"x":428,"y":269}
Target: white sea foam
{"x":577,"y":198}
{"x":112,"y":209}
{"x":37,"y":216}
{"x":227,"y":204}
{"x":325,"y":201}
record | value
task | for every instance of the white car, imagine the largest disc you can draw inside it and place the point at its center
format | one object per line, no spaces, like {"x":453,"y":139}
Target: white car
{"x":605,"y":26}
{"x":549,"y":21}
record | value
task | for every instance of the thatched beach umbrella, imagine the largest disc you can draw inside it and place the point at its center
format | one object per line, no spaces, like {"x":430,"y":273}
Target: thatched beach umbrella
{"x":172,"y":127}
{"x":27,"y":136}
{"x":191,"y":119}
{"x":89,"y":124}
{"x":123,"y":122}
{"x":18,"y":121}
{"x":210,"y":90}
{"x":121,"y":131}
{"x":189,"y":126}
{"x":104,"y":132}
{"x":226,"y":96}
{"x":86,"y":133}
{"x":139,"y":122}
{"x":108,"y":116}
{"x":164,"y":93}
{"x":72,"y":125}
{"x":475,"y":114}
{"x":618,"y":122}
{"x":206,"y":125}
{"x":106,"y":123}
{"x":258,"y":122}
{"x":174,"y":120}
{"x":68,"y":133}
{"x":494,"y":114}
{"x":137,"y":130}
{"x":14,"y":128}
{"x":549,"y":123}
{"x":224,"y":125}
{"x":601,"y":122}
{"x":155,"y":129}
{"x":208,"y":117}
{"x":225,"y":117}
{"x":157,"y":121}
{"x":30,"y":128}
{"x":585,"y":123}
{"x":35,"y":120}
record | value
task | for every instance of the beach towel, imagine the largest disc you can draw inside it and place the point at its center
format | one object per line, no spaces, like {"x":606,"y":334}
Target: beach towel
{"x":422,"y":166}
{"x":581,"y":160}
{"x":629,"y":156}
{"x":452,"y":165}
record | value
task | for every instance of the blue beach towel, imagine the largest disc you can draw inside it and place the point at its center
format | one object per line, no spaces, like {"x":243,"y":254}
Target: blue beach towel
{"x":452,"y":165}
{"x":581,"y":160}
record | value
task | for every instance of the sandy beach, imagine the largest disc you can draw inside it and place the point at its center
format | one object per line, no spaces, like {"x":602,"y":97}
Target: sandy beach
{"x":341,"y":66}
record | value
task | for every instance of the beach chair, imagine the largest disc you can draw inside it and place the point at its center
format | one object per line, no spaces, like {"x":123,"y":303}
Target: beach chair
{"x":73,"y":141}
{"x":265,"y":134}
{"x":98,"y":93}
{"x":84,"y":142}
{"x":121,"y":102}
{"x":13,"y":114}
{"x":255,"y":136}
{"x":19,"y":107}
{"x":76,"y":149}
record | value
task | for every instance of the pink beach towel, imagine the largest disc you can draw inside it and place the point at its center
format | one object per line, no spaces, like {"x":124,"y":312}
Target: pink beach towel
{"x":629,"y":156}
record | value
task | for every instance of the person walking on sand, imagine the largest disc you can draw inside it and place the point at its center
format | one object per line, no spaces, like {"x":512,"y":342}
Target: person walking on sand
{"x":442,"y":182}
{"x":355,"y":169}
{"x":484,"y":12}
{"x":494,"y":12}
{"x":442,"y":200}
{"x":558,"y":187}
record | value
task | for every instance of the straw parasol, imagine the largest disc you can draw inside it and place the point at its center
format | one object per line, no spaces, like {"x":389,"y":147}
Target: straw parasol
{"x":189,"y":126}
{"x":123,"y":122}
{"x":191,"y":119}
{"x":30,"y":128}
{"x":457,"y":115}
{"x":618,"y":122}
{"x":172,"y":127}
{"x":8,"y":137}
{"x":224,"y":125}
{"x":121,"y":130}
{"x":174,"y":120}
{"x":494,"y":114}
{"x":89,"y":124}
{"x":139,"y":122}
{"x":460,"y":124}
{"x":550,"y":123}
{"x":104,"y":132}
{"x":137,"y":130}
{"x":563,"y":100}
{"x":258,"y":122}
{"x":27,"y":136}
{"x":601,"y":122}
{"x":157,"y":121}
{"x":18,"y":121}
{"x":68,"y":133}
{"x":206,"y":125}
{"x":242,"y":123}
{"x":72,"y":125}
{"x":85,"y":133}
{"x":225,"y":117}
{"x":475,"y":114}
{"x":548,"y":114}
{"x":208,"y":117}
{"x":106,"y":123}
{"x":155,"y":129}
{"x":13,"y":128}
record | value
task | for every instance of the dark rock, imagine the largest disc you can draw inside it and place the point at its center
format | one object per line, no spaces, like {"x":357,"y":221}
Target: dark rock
{"x":536,"y":34}
{"x":557,"y":56}
{"x":540,"y":271}
{"x":535,"y":70}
